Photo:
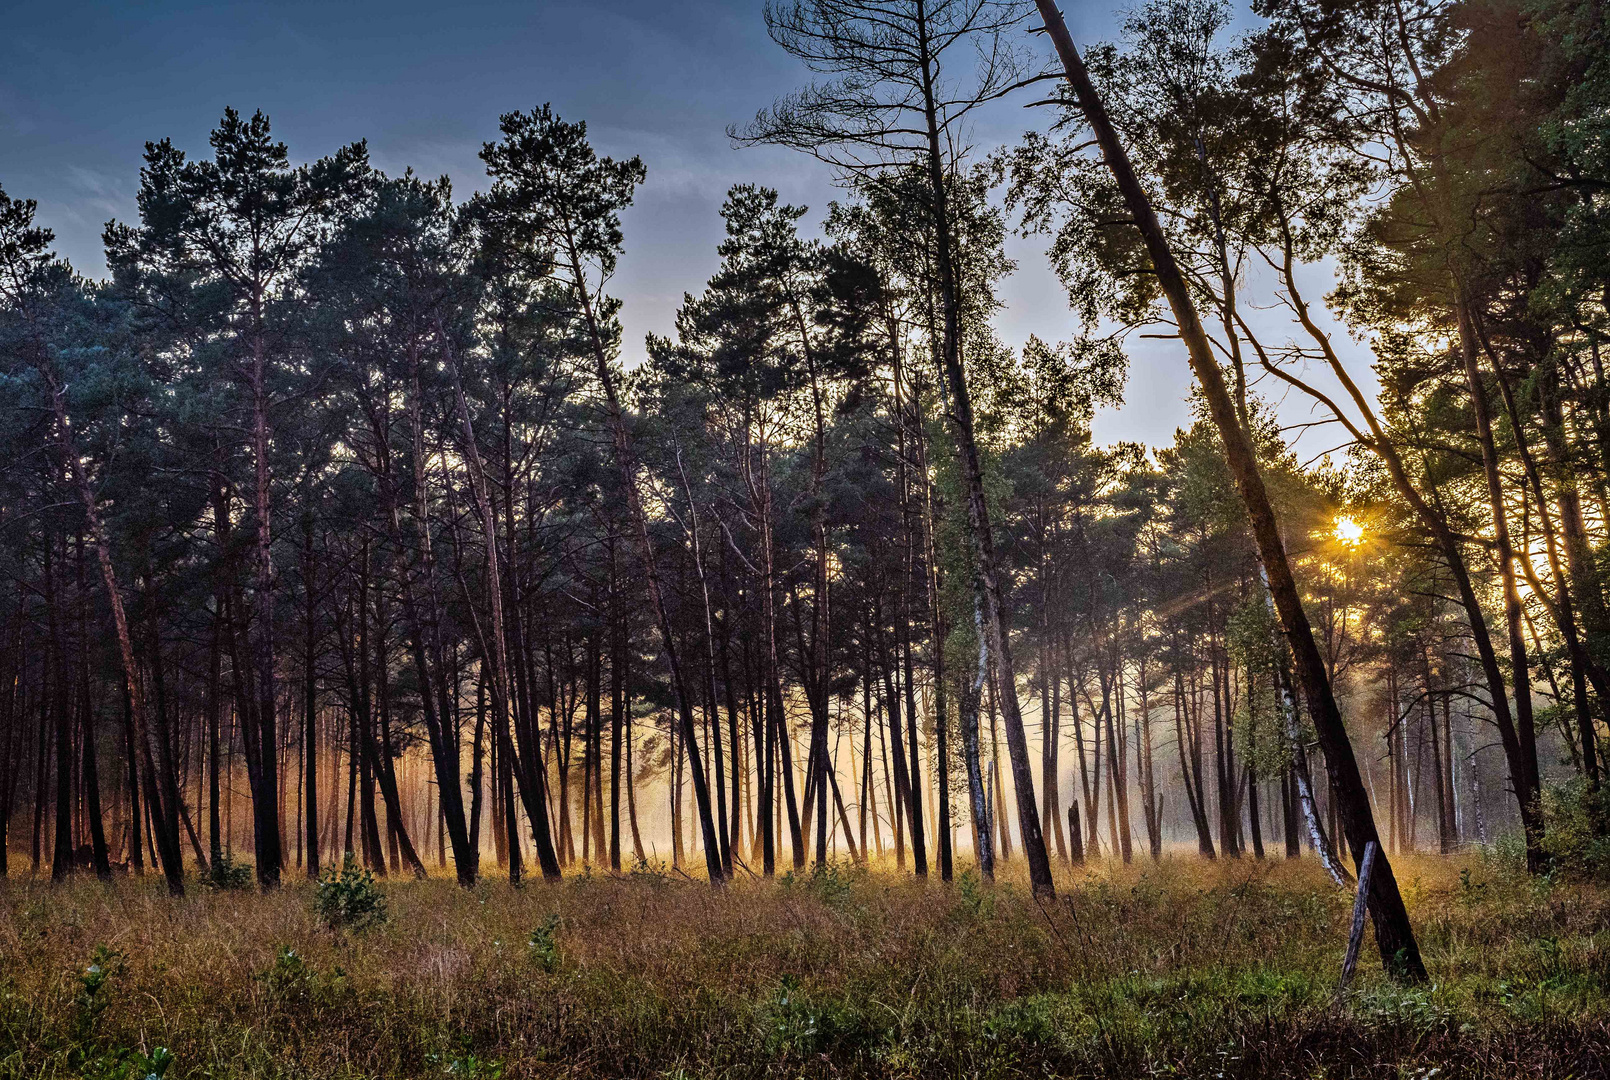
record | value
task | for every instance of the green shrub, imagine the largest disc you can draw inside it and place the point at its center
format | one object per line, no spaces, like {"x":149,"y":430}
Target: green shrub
{"x":93,"y":986}
{"x":544,"y":943}
{"x":227,"y":874}
{"x":129,"y":1065}
{"x":655,"y":872}
{"x":290,"y":974}
{"x":349,"y":899}
{"x":831,"y":883}
{"x":976,"y":896}
{"x":800,"y":1025}
{"x":90,"y":1059}
{"x":292,"y":982}
{"x":1575,"y":834}
{"x":467,"y":1066}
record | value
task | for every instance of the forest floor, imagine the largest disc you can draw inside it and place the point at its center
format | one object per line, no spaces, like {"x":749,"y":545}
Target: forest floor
{"x":1182,"y":968}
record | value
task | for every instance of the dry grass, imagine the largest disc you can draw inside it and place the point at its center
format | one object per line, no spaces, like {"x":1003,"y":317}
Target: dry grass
{"x":1178,"y":969}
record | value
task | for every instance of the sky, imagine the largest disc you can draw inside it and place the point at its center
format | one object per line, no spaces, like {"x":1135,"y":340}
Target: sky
{"x":83,"y":86}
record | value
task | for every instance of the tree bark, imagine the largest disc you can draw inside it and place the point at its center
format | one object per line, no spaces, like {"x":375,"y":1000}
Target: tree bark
{"x":997,"y":618}
{"x":172,"y":859}
{"x":1394,"y":935}
{"x":533,"y":786}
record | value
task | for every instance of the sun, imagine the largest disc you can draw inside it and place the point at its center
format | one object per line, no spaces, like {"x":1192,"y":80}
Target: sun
{"x":1349,"y":531}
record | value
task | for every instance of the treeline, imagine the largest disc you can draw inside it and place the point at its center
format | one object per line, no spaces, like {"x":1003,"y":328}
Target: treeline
{"x":337,"y":481}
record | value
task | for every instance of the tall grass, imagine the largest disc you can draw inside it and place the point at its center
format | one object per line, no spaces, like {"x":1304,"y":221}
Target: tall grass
{"x":1175,"y":969}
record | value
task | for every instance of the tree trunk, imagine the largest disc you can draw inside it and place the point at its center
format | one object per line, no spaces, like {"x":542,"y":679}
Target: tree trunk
{"x":1191,"y":778}
{"x":265,"y":790}
{"x":172,"y":859}
{"x":62,"y":859}
{"x":90,"y":779}
{"x":1393,"y":933}
{"x":997,"y":618}
{"x":1527,"y":785}
{"x":626,"y":462}
{"x":533,"y":786}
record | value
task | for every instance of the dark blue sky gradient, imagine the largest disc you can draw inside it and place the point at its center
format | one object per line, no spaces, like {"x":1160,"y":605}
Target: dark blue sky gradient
{"x":83,"y":86}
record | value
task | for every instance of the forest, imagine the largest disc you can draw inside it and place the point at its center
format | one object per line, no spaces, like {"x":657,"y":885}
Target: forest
{"x":347,"y":563}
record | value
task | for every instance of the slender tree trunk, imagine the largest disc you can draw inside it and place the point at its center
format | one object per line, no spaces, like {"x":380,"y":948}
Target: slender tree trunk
{"x":62,"y":859}
{"x":1191,"y":778}
{"x":997,"y":618}
{"x":1393,"y":933}
{"x":386,"y":767}
{"x":626,"y":462}
{"x":1148,"y":776}
{"x":368,"y":822}
{"x":477,"y":750}
{"x":619,"y":702}
{"x":533,"y":786}
{"x":310,"y":704}
{"x":172,"y":859}
{"x":265,"y":793}
{"x":1527,"y":784}
{"x":90,"y":779}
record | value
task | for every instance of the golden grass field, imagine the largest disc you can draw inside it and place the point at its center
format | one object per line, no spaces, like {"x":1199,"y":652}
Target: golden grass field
{"x":1181,"y":968}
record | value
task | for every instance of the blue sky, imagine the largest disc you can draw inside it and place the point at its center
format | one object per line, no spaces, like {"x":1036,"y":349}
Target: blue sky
{"x":83,"y":86}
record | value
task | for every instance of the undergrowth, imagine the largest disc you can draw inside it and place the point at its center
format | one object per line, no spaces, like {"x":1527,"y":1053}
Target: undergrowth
{"x":1172,"y":969}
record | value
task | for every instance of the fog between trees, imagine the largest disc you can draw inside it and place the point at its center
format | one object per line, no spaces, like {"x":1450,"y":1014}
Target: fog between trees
{"x":333,"y":523}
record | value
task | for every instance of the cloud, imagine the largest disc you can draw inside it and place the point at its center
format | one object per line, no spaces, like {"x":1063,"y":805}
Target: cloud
{"x":103,"y":193}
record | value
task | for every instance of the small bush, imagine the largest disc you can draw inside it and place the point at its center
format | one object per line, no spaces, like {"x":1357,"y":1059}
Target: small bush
{"x":289,"y":975}
{"x":655,"y":872}
{"x":129,"y":1065}
{"x":830,"y":883}
{"x":796,"y":1024}
{"x":227,"y":874}
{"x":93,"y":986}
{"x":975,"y":895}
{"x":90,"y":1058}
{"x":293,"y":982}
{"x":1575,"y":837}
{"x":349,"y":899}
{"x":544,"y":943}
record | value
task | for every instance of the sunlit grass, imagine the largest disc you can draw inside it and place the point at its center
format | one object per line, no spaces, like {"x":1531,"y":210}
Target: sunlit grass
{"x":1180,"y":968}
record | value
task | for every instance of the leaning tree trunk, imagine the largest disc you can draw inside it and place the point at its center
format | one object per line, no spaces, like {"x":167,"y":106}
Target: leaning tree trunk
{"x":168,"y":849}
{"x":1525,"y":777}
{"x":1393,"y":934}
{"x":1433,"y":520}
